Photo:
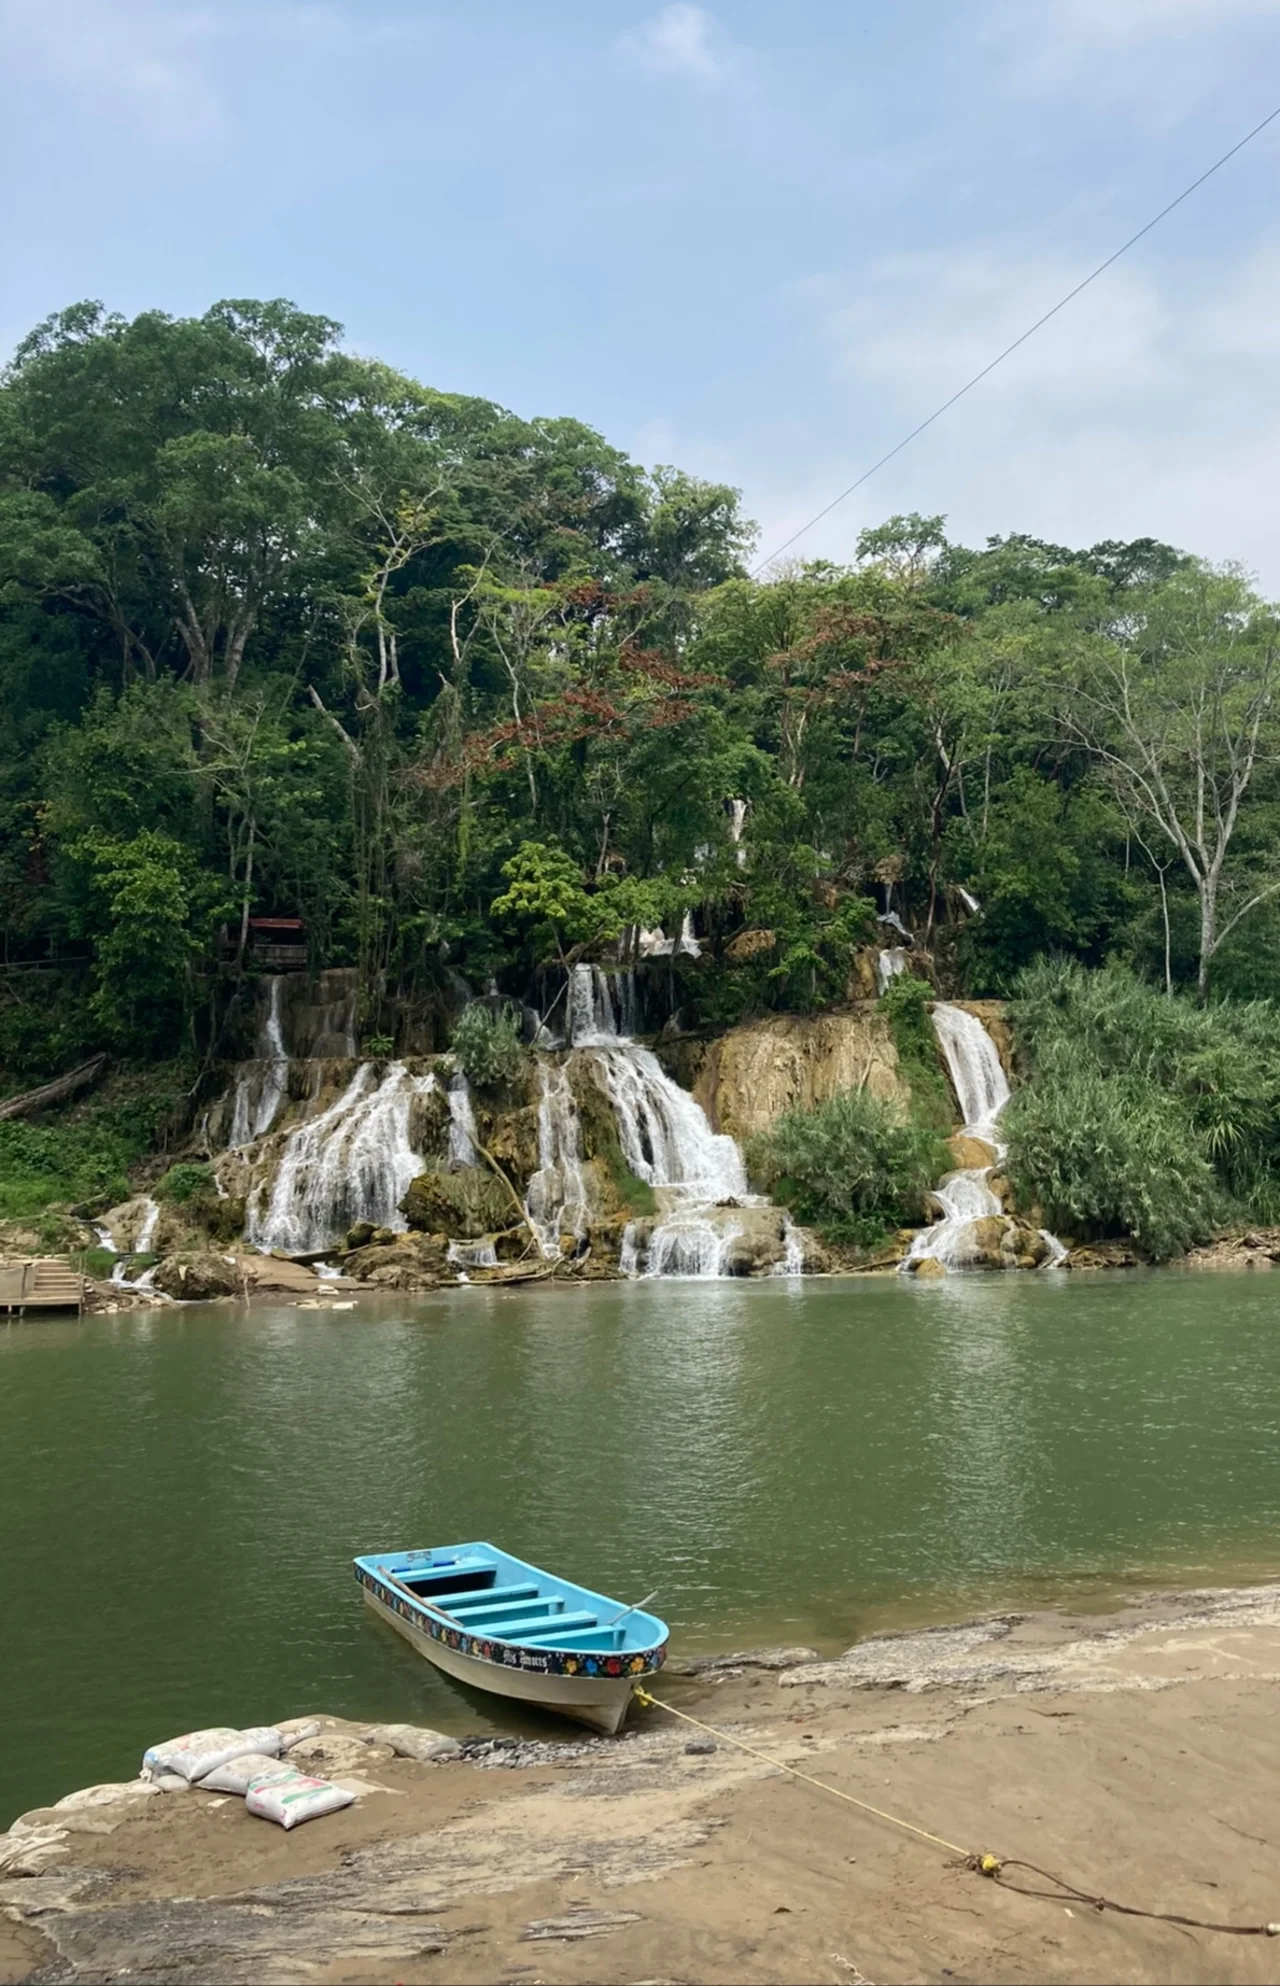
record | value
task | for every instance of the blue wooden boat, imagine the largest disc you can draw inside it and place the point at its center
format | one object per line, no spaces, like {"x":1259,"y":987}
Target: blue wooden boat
{"x":503,"y":1625}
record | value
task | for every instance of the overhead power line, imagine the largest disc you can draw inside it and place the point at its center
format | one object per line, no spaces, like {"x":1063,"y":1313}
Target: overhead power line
{"x":1030,"y":332}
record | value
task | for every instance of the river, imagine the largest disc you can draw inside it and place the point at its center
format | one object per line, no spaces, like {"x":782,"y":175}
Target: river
{"x":181,"y":1491}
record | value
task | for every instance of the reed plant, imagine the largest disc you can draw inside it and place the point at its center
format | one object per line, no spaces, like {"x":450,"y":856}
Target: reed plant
{"x":1142,"y":1113}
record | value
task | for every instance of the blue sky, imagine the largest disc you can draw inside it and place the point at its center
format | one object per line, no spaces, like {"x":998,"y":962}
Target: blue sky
{"x":756,"y":240}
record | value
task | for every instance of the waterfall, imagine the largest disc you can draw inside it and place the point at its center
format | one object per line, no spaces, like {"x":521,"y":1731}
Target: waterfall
{"x":141,"y":1246}
{"x":147,"y":1232}
{"x":352,"y":1162}
{"x":687,"y":944}
{"x":982,"y":1091}
{"x":737,"y":822}
{"x":792,"y":1263}
{"x":462,"y":1122}
{"x":890,"y":965}
{"x":666,"y":1141}
{"x":466,"y":1255}
{"x":592,"y":1020}
{"x":269,"y":1074}
{"x":556,"y":1196}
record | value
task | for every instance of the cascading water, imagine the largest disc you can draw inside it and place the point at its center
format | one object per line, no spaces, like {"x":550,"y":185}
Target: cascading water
{"x":462,"y":1122}
{"x":352,"y":1162}
{"x":890,"y":964}
{"x":142,"y":1245}
{"x":261,"y":1084}
{"x":982,"y":1091}
{"x":737,"y":822}
{"x":666,"y":1141}
{"x":556,"y":1196}
{"x":792,"y":1263}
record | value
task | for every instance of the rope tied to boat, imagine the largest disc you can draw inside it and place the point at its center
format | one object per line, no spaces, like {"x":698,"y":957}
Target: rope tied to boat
{"x":981,"y":1862}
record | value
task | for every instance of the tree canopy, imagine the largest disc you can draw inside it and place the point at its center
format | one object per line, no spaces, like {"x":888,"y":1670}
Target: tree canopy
{"x":284,"y":632}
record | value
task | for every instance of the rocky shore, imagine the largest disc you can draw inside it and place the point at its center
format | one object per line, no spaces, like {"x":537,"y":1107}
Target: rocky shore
{"x":1135,"y":1755}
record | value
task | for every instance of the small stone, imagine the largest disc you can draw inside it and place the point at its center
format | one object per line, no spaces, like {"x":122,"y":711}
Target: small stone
{"x":698,"y":1747}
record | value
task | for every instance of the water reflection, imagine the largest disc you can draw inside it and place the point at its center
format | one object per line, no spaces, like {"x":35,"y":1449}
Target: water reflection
{"x":781,"y":1460}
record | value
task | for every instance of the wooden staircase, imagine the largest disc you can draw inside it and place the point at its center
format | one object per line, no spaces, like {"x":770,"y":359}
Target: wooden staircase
{"x":43,"y":1284}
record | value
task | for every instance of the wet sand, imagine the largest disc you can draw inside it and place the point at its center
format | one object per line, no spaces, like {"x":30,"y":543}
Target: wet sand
{"x":1135,"y":1755}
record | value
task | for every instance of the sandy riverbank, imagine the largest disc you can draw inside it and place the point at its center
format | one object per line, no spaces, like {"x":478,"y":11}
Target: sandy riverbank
{"x":1137,"y":1755}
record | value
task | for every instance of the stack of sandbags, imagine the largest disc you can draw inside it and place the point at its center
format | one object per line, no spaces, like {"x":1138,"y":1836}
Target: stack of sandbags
{"x":222,"y":1760}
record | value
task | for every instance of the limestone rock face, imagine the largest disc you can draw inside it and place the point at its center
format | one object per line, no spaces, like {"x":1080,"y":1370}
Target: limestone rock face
{"x":750,"y":945}
{"x":751,"y":1075}
{"x":461,"y":1204}
{"x":971,"y":1153}
{"x":408,"y":1262}
{"x":196,"y":1278}
{"x":511,"y":1135}
{"x":172,"y":1232}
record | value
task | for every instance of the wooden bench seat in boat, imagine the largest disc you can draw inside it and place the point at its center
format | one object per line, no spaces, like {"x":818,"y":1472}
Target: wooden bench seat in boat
{"x":509,"y":1613}
{"x":497,"y":1596}
{"x":542,"y":1628}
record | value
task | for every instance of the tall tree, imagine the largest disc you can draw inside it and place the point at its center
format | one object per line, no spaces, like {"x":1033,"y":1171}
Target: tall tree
{"x":1180,"y":709}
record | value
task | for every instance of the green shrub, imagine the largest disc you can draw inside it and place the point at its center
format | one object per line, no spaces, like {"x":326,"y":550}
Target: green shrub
{"x":96,"y":1262}
{"x":854,"y":1167}
{"x":181,"y":1181}
{"x":82,"y":1156}
{"x":905,"y":1005}
{"x":1112,"y":1155}
{"x":488,"y":1047}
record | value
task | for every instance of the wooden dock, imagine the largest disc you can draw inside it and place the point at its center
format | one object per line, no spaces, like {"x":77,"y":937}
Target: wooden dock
{"x":43,"y":1284}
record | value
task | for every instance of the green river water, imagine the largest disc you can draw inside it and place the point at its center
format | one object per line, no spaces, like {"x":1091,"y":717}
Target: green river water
{"x":181,"y":1491}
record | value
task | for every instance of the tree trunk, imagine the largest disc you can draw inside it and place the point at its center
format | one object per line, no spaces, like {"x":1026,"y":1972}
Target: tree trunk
{"x":1208,"y":938}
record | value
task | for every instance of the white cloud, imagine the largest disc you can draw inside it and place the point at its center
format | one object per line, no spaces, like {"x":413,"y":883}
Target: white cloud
{"x":1163,"y":55}
{"x":141,"y":61}
{"x":680,"y":41}
{"x":1112,"y":23}
{"x":1141,"y":410}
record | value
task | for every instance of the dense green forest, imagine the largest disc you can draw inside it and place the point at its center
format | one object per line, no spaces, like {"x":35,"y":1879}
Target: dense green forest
{"x":283,"y":632}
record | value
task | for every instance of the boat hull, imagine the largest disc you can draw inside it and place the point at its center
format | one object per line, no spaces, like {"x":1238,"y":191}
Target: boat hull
{"x":598,"y":1701}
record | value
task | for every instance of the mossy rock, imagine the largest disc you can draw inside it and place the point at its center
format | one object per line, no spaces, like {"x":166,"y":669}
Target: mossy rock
{"x":406,"y":1262}
{"x":621,"y":1191}
{"x":195,"y":1278}
{"x":510,"y":1135}
{"x":429,"y":1123}
{"x":463,"y":1204}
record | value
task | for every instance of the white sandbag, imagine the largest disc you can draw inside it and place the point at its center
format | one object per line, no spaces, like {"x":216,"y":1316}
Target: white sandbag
{"x":414,"y":1741}
{"x":199,"y":1753}
{"x":235,"y":1775}
{"x":289,"y":1796}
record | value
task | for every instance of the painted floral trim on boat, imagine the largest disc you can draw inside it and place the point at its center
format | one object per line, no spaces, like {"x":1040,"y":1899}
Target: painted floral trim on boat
{"x":507,"y":1655}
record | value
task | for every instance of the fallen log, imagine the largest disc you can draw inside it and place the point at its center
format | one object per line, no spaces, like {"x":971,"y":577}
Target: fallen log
{"x":55,"y":1092}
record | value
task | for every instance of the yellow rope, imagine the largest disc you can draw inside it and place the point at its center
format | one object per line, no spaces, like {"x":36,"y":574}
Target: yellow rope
{"x":779,"y":1765}
{"x":981,"y":1864}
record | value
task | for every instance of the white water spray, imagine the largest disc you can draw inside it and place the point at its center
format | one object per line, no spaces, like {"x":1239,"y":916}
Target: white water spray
{"x":462,"y":1122}
{"x":556,"y":1196}
{"x":737,"y":822}
{"x":666,"y":1141}
{"x":982,"y":1091}
{"x":890,"y":965}
{"x":268,"y":1076}
{"x":352,"y":1162}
